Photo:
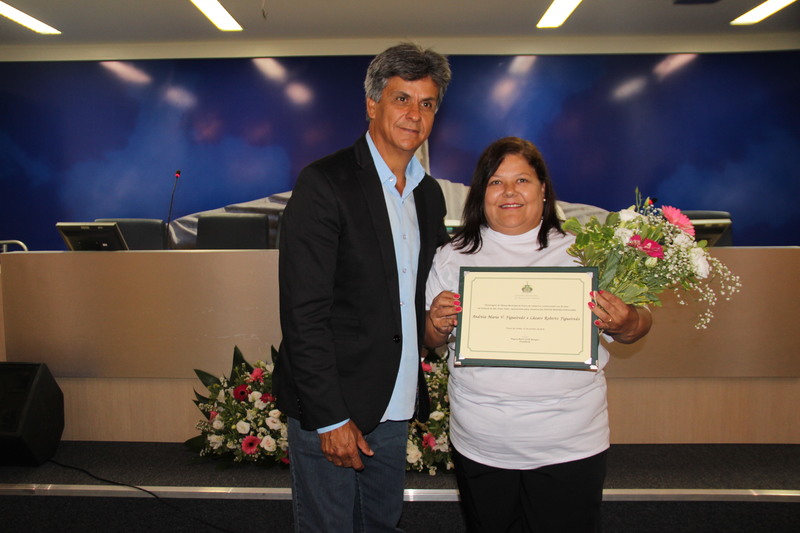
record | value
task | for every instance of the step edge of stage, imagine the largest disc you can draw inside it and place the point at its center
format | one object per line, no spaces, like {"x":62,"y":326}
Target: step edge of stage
{"x":410,"y":495}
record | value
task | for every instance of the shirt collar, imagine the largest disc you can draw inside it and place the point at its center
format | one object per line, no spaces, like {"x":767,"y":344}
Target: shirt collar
{"x":414,"y":170}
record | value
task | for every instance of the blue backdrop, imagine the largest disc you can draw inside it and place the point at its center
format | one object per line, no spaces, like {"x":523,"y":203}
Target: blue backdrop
{"x":86,"y":140}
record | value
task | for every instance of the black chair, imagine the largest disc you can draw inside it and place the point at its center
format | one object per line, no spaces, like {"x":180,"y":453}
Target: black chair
{"x":716,"y":227}
{"x":232,"y":231}
{"x":141,"y":233}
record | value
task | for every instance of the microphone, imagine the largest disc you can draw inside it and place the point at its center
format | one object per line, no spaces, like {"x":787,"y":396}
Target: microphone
{"x":172,"y":198}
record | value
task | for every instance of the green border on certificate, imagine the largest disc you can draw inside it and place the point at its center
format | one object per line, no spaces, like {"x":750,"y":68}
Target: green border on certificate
{"x":527,"y":317}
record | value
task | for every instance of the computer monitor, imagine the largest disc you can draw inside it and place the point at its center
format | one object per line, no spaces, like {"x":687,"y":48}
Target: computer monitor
{"x":92,"y":236}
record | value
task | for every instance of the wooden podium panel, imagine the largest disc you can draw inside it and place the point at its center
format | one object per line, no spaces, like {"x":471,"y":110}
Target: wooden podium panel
{"x":145,"y":314}
{"x":123,"y":331}
{"x":755,"y":334}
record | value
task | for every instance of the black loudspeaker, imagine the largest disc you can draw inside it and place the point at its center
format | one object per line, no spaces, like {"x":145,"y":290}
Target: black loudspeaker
{"x":31,"y":414}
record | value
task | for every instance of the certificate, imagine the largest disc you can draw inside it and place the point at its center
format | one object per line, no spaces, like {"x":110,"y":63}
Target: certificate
{"x":527,"y":317}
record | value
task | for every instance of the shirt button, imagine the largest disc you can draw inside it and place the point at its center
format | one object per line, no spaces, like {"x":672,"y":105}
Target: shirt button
{"x":396,"y":339}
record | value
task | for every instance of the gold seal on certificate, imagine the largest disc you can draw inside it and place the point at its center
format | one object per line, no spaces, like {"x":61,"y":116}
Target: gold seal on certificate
{"x":527,"y":316}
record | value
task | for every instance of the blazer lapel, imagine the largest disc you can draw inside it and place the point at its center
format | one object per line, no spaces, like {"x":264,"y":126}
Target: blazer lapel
{"x":379,"y":216}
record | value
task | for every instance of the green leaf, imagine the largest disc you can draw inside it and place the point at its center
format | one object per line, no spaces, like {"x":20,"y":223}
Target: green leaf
{"x":612,"y":219}
{"x":206,"y":378}
{"x":572,"y":226}
{"x":196,"y":443}
{"x":238,"y":361}
{"x":609,"y":272}
{"x":200,"y":398}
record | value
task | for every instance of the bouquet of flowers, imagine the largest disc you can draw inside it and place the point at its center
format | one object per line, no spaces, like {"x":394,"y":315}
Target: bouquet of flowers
{"x":241,"y":419}
{"x":242,"y":422}
{"x":643,"y":250}
{"x":428,"y":446}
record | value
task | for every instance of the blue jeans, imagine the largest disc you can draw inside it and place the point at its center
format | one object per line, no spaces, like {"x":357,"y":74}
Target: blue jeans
{"x":328,"y":498}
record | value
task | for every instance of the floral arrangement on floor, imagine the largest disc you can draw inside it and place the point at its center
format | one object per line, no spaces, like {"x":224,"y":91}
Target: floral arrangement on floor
{"x":428,"y":446}
{"x":644,"y":250}
{"x":241,"y":421}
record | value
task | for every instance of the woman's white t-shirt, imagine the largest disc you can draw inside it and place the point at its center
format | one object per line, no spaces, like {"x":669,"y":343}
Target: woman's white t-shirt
{"x":520,"y":418}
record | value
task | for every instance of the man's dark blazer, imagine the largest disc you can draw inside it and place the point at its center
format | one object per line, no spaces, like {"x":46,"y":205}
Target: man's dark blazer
{"x":339,"y":296}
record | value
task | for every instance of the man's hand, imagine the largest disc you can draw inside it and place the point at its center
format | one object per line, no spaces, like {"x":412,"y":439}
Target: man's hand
{"x":341,"y":446}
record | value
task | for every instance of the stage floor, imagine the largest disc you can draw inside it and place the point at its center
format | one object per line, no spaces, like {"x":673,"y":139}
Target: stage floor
{"x":693,"y":472}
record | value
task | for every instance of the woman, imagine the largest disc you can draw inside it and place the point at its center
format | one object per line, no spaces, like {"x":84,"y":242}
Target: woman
{"x":529,"y":443}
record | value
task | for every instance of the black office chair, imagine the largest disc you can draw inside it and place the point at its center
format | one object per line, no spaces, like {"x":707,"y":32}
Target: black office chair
{"x":716,"y":227}
{"x":141,"y":233}
{"x":274,"y":221}
{"x":232,"y":231}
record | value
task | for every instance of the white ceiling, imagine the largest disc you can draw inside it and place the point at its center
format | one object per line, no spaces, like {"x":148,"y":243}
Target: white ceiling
{"x":108,"y":29}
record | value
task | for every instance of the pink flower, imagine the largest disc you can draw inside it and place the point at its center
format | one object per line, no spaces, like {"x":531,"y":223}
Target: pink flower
{"x":267,"y":397}
{"x":426,"y":367}
{"x":257,"y":375}
{"x":285,"y":460}
{"x":429,"y":441}
{"x":212,"y":415}
{"x":241,"y":393}
{"x":648,"y":246}
{"x":675,"y":217}
{"x":250,"y":444}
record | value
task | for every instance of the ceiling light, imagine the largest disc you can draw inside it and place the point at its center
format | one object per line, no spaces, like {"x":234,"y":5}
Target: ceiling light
{"x":217,"y":14}
{"x":557,"y":13}
{"x":26,"y":20}
{"x":760,"y":12}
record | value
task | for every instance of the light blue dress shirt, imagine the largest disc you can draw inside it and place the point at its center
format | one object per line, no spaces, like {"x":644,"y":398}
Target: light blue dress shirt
{"x":405,"y":236}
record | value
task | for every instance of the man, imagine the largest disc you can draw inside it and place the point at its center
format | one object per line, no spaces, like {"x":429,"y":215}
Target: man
{"x":357,"y":240}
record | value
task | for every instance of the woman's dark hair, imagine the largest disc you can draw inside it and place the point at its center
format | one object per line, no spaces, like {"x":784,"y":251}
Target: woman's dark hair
{"x":468,"y":237}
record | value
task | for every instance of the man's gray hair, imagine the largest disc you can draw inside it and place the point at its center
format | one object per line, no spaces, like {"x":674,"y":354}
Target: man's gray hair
{"x":411,"y":62}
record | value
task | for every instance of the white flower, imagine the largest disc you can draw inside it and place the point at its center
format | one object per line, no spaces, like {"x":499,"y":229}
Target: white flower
{"x":699,"y":262}
{"x":243,"y":427}
{"x":275,"y":413}
{"x":412,"y":453}
{"x":651,"y":262}
{"x":221,"y":396}
{"x":273,"y":423}
{"x":682,"y":240}
{"x":626,"y":215}
{"x":215,"y":441}
{"x":254,"y":396}
{"x":623,"y":235}
{"x":268,"y":443}
{"x":218,"y":424}
{"x":437,"y":415}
